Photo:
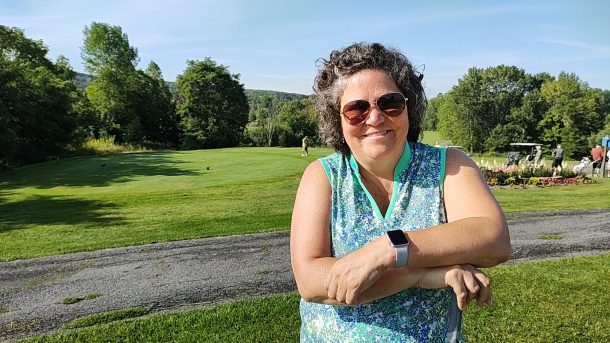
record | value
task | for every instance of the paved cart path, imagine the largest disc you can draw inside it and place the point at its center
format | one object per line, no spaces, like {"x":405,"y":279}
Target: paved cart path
{"x":200,"y":272}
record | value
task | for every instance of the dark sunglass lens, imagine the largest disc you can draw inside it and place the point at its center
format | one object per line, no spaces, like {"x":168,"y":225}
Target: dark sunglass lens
{"x":392,"y":104}
{"x":355,"y":108}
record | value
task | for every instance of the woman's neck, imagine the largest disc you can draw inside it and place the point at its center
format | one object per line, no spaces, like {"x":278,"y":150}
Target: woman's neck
{"x":382,"y":168}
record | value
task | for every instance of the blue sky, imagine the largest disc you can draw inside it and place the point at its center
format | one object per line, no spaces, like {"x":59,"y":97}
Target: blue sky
{"x":274,"y":44}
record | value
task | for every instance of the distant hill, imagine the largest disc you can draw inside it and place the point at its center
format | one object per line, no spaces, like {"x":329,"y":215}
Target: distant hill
{"x":83,"y":80}
{"x":275,"y":95}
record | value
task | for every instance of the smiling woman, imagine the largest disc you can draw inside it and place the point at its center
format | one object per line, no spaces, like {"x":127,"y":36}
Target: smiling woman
{"x":386,"y":232}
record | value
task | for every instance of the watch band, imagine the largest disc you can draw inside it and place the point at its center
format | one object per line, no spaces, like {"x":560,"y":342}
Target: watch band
{"x":400,"y":243}
{"x":402,"y":255}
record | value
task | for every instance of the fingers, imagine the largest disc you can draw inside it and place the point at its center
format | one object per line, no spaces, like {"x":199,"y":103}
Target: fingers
{"x":484,"y":290}
{"x":455,"y":280}
{"x":331,"y":285}
{"x":484,"y":297}
{"x":341,"y":288}
{"x":469,"y":283}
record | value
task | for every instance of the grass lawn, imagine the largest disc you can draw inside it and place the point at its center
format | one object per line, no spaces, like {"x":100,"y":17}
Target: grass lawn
{"x":550,"y":301}
{"x":135,"y":198}
{"x":91,"y":203}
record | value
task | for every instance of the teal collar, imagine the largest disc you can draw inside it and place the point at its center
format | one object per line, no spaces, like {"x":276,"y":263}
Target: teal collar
{"x":402,"y":164}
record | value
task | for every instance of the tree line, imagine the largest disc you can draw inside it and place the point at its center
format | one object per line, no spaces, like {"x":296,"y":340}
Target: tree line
{"x":490,"y":108}
{"x":44,"y":114}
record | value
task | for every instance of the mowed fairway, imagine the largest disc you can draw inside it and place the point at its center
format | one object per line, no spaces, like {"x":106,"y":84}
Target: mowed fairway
{"x":126,"y":199}
{"x":91,"y":203}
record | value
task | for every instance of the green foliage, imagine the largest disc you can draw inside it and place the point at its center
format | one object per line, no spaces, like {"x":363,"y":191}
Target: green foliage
{"x":481,"y":101}
{"x":109,"y":57}
{"x":106,"y":46}
{"x":574,"y":114}
{"x":490,"y":108}
{"x":298,"y":120}
{"x":156,"y":108}
{"x":431,"y":119}
{"x":278,"y":118}
{"x":211,"y":104}
{"x":35,"y":102}
{"x":105,"y":146}
{"x":134,"y":106}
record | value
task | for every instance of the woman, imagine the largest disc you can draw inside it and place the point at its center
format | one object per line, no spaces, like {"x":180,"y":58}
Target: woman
{"x":356,"y":210}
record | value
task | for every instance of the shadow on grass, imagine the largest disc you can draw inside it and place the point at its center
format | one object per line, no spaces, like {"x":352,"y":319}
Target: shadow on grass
{"x":95,"y":171}
{"x":43,"y":210}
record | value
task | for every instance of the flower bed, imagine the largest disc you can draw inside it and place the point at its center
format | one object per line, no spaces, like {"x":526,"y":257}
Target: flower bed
{"x":541,"y":176}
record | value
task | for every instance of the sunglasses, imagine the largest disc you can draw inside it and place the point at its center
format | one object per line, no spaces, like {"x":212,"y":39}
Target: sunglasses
{"x":357,"y":111}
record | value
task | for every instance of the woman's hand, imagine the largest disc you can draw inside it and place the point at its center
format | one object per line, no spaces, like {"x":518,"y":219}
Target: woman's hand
{"x":354,"y":273}
{"x":466,"y":281}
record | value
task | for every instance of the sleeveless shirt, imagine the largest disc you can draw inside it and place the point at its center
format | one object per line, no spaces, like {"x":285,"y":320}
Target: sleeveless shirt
{"x":414,"y":314}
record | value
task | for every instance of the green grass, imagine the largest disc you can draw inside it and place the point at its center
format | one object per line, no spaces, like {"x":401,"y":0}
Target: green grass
{"x":97,"y":202}
{"x":107,"y":317}
{"x":274,"y":319}
{"x":4,"y":310}
{"x":550,"y":301}
{"x":572,"y":197}
{"x":432,"y":137}
{"x":551,"y":236}
{"x":127,"y":199}
{"x":74,"y":300}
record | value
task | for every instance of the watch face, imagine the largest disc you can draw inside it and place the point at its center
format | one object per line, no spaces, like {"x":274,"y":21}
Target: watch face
{"x":397,"y":237}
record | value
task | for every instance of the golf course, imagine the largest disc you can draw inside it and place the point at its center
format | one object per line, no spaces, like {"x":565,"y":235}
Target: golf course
{"x":98,"y":202}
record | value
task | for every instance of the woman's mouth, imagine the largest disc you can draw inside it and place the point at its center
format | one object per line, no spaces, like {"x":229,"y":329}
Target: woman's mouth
{"x":377,"y":134}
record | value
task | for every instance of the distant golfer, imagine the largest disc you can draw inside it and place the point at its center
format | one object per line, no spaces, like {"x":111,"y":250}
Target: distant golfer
{"x":305,"y":147}
{"x":557,"y":159}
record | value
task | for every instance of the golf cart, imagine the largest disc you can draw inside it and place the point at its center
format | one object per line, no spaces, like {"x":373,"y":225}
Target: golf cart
{"x":522,"y":153}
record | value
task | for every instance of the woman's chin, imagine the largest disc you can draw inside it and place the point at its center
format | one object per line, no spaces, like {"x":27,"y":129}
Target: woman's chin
{"x":378,"y":151}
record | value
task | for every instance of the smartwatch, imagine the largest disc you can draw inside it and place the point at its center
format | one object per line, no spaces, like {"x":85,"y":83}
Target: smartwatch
{"x":399,"y":242}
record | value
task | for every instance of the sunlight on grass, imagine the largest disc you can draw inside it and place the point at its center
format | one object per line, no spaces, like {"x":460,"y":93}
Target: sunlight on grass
{"x":97,"y":202}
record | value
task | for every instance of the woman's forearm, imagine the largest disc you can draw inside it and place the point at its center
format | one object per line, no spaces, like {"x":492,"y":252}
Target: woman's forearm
{"x":393,"y":281}
{"x":479,"y":241}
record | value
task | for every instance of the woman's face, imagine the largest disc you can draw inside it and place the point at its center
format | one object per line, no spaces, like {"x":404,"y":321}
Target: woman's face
{"x":379,"y":136}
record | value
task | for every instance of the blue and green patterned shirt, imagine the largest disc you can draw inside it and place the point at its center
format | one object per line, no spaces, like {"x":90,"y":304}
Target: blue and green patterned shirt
{"x":414,"y":314}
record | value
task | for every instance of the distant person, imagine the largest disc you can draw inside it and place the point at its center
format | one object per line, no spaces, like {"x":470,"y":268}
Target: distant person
{"x":305,"y":146}
{"x":557,"y":159}
{"x":537,"y":155}
{"x":597,"y":153}
{"x":386,"y":230}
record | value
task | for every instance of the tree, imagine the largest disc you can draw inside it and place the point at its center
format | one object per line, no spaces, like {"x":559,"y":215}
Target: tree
{"x":109,"y":57}
{"x":574,"y":114}
{"x":481,"y":101}
{"x":155,"y":108}
{"x":35,"y":100}
{"x":431,"y":119}
{"x":211,"y":104}
{"x":297,"y":120}
{"x":106,"y":46}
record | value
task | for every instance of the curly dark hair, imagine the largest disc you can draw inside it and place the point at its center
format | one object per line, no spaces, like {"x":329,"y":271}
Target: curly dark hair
{"x":330,"y":84}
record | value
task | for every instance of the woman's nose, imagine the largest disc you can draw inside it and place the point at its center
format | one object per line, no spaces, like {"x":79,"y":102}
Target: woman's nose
{"x":376,"y":116}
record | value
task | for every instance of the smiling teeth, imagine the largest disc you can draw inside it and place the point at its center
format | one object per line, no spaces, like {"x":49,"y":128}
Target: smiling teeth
{"x":378,"y":133}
